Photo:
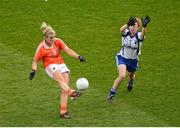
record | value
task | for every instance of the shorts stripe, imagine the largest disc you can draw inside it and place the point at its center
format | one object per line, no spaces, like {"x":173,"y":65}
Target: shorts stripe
{"x":49,"y":69}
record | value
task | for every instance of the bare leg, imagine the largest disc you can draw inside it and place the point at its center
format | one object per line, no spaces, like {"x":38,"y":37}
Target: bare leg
{"x":62,"y":82}
{"x":64,"y":96}
{"x":131,"y":75}
{"x":117,"y":81}
{"x":121,"y":77}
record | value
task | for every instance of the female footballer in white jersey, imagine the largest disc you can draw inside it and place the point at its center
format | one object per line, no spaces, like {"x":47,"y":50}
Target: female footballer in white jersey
{"x":127,"y":58}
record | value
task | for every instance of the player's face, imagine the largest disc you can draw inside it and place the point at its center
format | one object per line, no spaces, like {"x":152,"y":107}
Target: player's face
{"x":50,"y":39}
{"x":133,"y":29}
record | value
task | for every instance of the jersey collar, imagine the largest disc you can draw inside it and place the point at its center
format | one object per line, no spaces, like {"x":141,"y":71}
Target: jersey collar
{"x":47,"y":47}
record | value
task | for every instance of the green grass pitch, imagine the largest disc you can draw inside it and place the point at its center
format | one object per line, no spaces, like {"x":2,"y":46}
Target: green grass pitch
{"x":91,"y":28}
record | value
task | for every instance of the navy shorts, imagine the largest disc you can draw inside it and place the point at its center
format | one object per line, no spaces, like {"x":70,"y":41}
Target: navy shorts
{"x":131,"y":64}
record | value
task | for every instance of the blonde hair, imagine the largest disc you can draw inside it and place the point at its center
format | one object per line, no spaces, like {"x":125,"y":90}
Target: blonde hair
{"x":47,"y":29}
{"x":139,"y":22}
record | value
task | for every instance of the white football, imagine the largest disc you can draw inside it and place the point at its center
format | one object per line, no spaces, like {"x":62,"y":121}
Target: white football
{"x":82,"y":84}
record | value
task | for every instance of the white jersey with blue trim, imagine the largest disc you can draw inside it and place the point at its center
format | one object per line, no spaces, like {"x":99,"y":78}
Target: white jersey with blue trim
{"x":130,"y":45}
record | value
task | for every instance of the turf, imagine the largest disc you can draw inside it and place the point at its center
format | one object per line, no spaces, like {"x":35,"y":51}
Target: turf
{"x":91,"y":28}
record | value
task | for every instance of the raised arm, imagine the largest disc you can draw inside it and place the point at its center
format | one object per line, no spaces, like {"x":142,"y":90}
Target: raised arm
{"x":131,"y":22}
{"x":124,"y":27}
{"x":143,"y":33}
{"x":145,"y":22}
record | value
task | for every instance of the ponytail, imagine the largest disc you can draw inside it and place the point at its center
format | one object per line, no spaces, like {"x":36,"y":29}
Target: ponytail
{"x":46,"y":29}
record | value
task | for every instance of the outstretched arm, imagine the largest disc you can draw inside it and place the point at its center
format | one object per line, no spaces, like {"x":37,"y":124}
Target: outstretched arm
{"x":72,"y":53}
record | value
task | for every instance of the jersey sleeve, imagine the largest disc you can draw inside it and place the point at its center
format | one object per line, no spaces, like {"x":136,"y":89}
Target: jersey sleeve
{"x":38,"y":54}
{"x":60,"y":44}
{"x":139,"y":36}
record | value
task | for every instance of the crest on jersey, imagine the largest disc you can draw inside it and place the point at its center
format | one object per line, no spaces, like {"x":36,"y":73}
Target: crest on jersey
{"x":54,"y":52}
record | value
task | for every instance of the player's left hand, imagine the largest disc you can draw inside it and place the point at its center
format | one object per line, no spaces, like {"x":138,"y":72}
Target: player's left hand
{"x":81,"y":58}
{"x":145,"y":21}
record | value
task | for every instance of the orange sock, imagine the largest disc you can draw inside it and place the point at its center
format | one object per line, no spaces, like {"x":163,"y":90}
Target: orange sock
{"x":63,"y":108}
{"x":70,"y":91}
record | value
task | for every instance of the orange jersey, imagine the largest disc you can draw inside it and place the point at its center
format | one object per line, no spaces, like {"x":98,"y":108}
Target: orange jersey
{"x":50,"y":55}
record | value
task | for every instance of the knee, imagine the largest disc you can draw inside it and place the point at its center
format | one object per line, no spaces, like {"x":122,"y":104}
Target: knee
{"x":60,"y":80}
{"x":121,"y":77}
{"x":132,"y":76}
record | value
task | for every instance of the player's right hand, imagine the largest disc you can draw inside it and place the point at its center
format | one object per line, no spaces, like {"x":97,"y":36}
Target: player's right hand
{"x":32,"y":74}
{"x":131,"y":21}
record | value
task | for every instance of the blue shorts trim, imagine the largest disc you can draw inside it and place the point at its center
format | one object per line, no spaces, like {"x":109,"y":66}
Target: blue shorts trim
{"x":131,"y":64}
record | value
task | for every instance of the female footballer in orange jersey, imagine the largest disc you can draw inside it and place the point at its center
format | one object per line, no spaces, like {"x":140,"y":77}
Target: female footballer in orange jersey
{"x":49,"y":52}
